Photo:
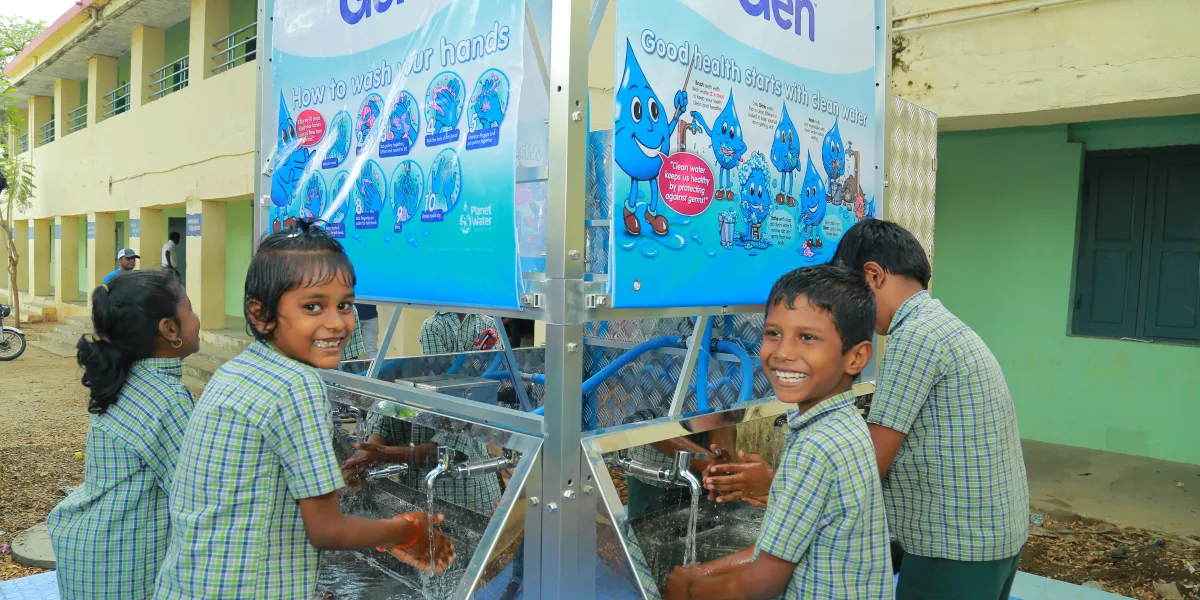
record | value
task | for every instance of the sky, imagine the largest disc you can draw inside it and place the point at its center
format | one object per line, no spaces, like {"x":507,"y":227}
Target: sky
{"x":43,"y":10}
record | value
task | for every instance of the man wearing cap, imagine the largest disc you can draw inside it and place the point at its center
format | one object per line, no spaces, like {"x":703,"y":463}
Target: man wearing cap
{"x":126,"y":261}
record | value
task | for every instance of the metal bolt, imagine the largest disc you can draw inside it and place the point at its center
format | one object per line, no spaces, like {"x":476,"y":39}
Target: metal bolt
{"x":572,"y":347}
{"x":573,"y":255}
{"x":569,"y":494}
{"x":587,"y":490}
{"x":576,"y":116}
{"x":552,"y":507}
{"x":533,"y":500}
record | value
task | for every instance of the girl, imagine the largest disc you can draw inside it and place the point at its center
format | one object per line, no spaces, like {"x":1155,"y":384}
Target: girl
{"x":255,"y":495}
{"x":133,"y":367}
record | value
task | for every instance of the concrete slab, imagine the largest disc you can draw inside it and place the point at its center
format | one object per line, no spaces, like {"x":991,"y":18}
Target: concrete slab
{"x":1118,"y":488}
{"x":32,"y":548}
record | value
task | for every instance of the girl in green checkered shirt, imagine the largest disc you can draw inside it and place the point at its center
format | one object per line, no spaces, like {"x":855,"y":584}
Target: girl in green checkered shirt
{"x":110,"y":535}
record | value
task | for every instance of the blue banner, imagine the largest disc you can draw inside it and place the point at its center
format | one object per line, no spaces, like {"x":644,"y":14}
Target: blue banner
{"x":394,"y":130}
{"x":743,"y":144}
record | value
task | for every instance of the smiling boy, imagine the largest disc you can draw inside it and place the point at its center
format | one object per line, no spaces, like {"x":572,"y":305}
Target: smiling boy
{"x":824,"y":534}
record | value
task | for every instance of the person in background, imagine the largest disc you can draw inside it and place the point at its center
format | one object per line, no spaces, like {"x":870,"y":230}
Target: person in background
{"x":254,"y":497}
{"x":454,"y":333}
{"x":368,"y":318}
{"x":126,"y":261}
{"x":170,"y":258}
{"x":110,"y":535}
{"x":825,"y":531}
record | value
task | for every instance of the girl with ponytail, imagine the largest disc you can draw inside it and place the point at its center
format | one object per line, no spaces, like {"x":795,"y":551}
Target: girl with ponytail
{"x":110,"y":535}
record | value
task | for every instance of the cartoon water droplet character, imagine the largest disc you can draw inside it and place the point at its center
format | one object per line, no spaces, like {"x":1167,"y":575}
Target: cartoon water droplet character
{"x":402,"y":126}
{"x":833,"y":156}
{"x":445,"y":105}
{"x":812,"y":205}
{"x":367,"y":115}
{"x":488,"y":106}
{"x":291,"y":159}
{"x":641,"y":137}
{"x":785,"y":155}
{"x":728,"y":145}
{"x":755,"y":201}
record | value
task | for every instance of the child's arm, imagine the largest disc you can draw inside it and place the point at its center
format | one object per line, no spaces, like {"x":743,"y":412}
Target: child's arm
{"x":911,"y":365}
{"x":748,"y":480}
{"x":408,"y":535}
{"x":766,"y":577}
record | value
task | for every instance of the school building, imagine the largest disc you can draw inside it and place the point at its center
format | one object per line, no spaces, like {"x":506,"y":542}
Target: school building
{"x":1067,"y":222}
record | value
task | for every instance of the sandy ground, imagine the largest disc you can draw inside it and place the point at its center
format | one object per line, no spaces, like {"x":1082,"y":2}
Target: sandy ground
{"x":43,"y":423}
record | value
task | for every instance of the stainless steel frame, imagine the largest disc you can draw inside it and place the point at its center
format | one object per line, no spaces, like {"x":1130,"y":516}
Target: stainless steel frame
{"x":567,"y":484}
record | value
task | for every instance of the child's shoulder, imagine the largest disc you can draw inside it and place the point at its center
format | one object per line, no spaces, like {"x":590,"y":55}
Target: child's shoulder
{"x":262,"y":367}
{"x":836,"y":438}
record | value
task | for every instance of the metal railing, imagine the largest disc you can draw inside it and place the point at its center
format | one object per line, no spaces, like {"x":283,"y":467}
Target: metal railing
{"x":77,"y":119}
{"x":116,"y":101}
{"x":171,"y":78}
{"x":23,"y":143}
{"x":46,"y":132}
{"x":237,"y":48}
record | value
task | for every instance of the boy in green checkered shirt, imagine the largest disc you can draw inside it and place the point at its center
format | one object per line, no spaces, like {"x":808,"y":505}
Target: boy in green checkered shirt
{"x":824,"y":534}
{"x":944,"y":428}
{"x":254,"y":495}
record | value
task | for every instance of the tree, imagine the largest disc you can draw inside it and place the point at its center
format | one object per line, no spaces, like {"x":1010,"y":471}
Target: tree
{"x":15,"y":35}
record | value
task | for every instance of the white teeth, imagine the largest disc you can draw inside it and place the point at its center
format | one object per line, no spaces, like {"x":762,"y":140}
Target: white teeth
{"x":790,"y":376}
{"x":326,"y":343}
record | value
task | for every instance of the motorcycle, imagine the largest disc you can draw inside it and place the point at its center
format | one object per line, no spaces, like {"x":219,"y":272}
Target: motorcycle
{"x":12,"y":340}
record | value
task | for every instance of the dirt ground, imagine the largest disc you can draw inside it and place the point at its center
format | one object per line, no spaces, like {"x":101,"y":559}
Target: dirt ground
{"x":44,"y":419}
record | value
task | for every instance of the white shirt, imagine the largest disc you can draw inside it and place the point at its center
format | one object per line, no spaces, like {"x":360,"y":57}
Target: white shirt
{"x":170,"y":247}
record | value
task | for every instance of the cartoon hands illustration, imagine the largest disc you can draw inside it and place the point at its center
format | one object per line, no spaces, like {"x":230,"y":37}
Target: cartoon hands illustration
{"x":372,"y":202}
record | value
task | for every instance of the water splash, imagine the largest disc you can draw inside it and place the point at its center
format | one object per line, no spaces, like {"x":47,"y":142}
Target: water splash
{"x":689,"y":555}
{"x":711,"y":253}
{"x":649,"y":252}
{"x":696,"y":238}
{"x":412,"y":241}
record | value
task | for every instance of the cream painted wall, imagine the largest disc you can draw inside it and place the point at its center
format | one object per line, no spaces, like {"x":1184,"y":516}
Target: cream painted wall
{"x":1085,"y":61}
{"x":195,"y":143}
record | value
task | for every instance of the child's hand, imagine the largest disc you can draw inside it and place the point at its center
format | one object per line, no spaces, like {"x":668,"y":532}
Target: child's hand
{"x":679,"y":583}
{"x":749,"y":480}
{"x":418,"y":554}
{"x":354,"y":469}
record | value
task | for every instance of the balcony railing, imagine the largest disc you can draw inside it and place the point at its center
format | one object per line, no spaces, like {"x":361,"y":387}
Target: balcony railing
{"x":23,"y":143}
{"x":116,"y":101}
{"x":77,"y":119}
{"x":237,"y":48}
{"x":170,"y":78}
{"x":46,"y":133}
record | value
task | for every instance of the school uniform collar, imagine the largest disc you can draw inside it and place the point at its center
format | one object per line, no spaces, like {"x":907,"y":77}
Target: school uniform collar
{"x":908,"y":308}
{"x":798,"y":420}
{"x":169,"y":366}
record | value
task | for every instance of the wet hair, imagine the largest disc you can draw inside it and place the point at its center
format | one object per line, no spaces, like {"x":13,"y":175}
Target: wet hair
{"x":173,"y":236}
{"x":301,"y":255}
{"x":125,"y":317}
{"x":835,"y":289}
{"x":891,"y":246}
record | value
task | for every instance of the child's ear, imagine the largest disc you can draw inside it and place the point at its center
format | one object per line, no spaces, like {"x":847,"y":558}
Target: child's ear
{"x":874,"y":274}
{"x":168,"y":330}
{"x":254,"y":308}
{"x":860,"y":356}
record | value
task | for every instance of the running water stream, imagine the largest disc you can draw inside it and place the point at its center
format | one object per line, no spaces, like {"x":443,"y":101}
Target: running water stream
{"x":689,"y":555}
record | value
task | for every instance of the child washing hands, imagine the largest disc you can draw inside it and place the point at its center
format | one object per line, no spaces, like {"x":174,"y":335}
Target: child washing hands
{"x":254,"y":496}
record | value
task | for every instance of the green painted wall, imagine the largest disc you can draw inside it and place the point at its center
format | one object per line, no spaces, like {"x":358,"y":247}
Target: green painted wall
{"x":177,"y":212}
{"x":123,"y":71}
{"x":241,"y":14}
{"x":83,"y":87}
{"x":238,"y":231}
{"x":1006,"y":225}
{"x":176,"y":41}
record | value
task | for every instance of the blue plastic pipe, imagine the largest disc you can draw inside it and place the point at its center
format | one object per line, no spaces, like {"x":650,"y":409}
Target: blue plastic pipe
{"x":589,"y":386}
{"x":458,"y":363}
{"x":747,"y":388}
{"x":491,"y":369}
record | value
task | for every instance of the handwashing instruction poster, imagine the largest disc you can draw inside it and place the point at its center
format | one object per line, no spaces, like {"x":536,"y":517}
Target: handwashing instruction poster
{"x":398,"y":129}
{"x":743,"y":144}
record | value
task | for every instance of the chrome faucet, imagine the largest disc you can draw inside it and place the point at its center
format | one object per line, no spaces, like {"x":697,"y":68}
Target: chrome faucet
{"x":387,"y":472}
{"x":444,"y":466}
{"x":682,"y":469}
{"x":679,"y":473}
{"x":467,"y":470}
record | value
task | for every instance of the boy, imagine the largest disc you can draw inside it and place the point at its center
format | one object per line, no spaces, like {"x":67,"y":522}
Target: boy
{"x":824,"y":535}
{"x":944,"y":429}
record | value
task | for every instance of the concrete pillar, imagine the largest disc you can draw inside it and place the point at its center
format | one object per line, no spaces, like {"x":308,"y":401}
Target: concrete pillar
{"x":102,"y":80}
{"x":66,"y":99}
{"x":66,"y":268}
{"x":210,"y":22}
{"x":39,"y":114}
{"x":206,"y":261}
{"x":20,"y":128}
{"x":146,"y":57}
{"x":38,"y":256}
{"x":20,"y":233}
{"x":145,"y":236}
{"x":102,"y":247}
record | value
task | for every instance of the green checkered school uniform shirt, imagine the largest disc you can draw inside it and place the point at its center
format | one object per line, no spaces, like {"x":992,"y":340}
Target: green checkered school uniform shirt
{"x":443,"y":333}
{"x":259,"y":441}
{"x":957,"y":489}
{"x":110,"y":535}
{"x":355,"y":347}
{"x":825,"y":511}
{"x":478,"y":494}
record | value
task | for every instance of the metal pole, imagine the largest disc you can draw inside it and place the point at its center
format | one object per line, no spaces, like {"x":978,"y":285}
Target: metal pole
{"x":262,"y":60}
{"x":377,"y":362}
{"x":695,"y":348}
{"x":565,"y":562}
{"x":514,"y":370}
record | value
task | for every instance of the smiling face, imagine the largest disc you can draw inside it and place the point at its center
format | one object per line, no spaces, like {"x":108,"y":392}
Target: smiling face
{"x":314,"y":323}
{"x":785,"y":150}
{"x":812,"y":196}
{"x":727,"y":136}
{"x":802,"y":354}
{"x":755,"y":192}
{"x":640,"y":124}
{"x":833,"y":154}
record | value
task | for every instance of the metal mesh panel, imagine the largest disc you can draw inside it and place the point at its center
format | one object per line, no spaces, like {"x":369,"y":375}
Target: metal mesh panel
{"x":912,"y":168}
{"x":530,"y":360}
{"x":597,"y":208}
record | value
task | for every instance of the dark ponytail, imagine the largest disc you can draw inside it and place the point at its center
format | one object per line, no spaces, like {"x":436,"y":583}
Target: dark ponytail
{"x":125,"y":317}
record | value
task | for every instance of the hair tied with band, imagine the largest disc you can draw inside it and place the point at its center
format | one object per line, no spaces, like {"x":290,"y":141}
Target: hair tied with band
{"x":106,"y":290}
